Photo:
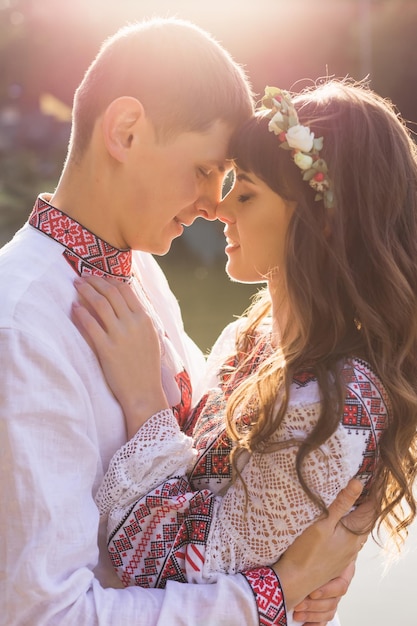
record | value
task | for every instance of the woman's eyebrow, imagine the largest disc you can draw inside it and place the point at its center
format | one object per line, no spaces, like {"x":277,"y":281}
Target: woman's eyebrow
{"x":243,"y":177}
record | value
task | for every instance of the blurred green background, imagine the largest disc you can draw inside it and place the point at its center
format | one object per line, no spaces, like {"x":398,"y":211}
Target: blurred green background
{"x":46,"y":45}
{"x":208,"y":299}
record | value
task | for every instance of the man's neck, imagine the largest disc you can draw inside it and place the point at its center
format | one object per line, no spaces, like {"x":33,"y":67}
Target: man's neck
{"x":81,"y":195}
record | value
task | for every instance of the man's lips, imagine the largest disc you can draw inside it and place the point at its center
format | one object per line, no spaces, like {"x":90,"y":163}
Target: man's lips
{"x":183,"y":222}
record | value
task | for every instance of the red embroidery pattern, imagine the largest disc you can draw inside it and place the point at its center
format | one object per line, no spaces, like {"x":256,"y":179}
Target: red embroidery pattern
{"x":367,"y":408}
{"x":195,"y":416}
{"x":268,"y":595}
{"x":231,"y":376}
{"x":183,"y":409}
{"x":152,"y":547}
{"x":302,"y":379}
{"x":164,"y":535}
{"x":84,"y":251}
{"x":212,"y":443}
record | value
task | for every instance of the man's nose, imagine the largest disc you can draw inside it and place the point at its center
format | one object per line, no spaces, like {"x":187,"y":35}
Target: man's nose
{"x":223,"y":210}
{"x":206,"y":208}
{"x":209,"y":198}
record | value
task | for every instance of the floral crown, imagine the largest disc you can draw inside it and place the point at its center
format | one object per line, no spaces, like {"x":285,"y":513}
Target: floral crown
{"x":284,"y":122}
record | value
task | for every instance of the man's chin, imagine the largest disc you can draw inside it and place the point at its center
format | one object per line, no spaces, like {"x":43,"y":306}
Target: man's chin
{"x":162,"y":250}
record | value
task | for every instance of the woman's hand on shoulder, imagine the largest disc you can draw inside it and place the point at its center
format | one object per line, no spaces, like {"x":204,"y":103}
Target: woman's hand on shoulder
{"x":124,"y":338}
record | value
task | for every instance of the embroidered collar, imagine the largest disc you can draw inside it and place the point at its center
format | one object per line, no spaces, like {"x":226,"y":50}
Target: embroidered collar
{"x":84,"y":251}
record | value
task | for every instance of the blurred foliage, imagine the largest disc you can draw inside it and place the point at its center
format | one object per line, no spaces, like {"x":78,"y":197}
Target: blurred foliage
{"x":20,"y":183}
{"x":46,"y":45}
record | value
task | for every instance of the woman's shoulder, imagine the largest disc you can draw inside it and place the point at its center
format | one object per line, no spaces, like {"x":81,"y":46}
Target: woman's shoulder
{"x":361,"y":377}
{"x":226,"y":343}
{"x":366,"y":396}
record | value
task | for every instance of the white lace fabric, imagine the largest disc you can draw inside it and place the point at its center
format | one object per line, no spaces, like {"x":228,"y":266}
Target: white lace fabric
{"x":157,"y":451}
{"x":256,"y":530}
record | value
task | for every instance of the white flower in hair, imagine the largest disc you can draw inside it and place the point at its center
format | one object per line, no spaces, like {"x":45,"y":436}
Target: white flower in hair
{"x":303,"y":161}
{"x":305,"y":148}
{"x":300,"y":138}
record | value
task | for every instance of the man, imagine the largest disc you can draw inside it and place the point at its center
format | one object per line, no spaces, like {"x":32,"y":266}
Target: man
{"x":151,"y":123}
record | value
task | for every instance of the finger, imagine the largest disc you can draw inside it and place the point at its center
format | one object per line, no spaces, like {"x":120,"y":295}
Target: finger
{"x":315,"y":605}
{"x":344,"y":501}
{"x":303,"y":617}
{"x":113,"y":288}
{"x":89,"y":326}
{"x":324,"y":605}
{"x":128,"y":293}
{"x":131,"y":297}
{"x":362,"y":519}
{"x":335,"y":588}
{"x":317,"y":613}
{"x":103,"y":298}
{"x":346,"y":576}
{"x":313,"y":619}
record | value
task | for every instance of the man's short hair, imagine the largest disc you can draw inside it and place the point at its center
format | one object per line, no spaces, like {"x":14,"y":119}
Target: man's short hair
{"x":182,"y":76}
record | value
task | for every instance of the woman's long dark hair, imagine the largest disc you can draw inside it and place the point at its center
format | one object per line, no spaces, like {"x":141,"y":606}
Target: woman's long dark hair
{"x":350,"y":276}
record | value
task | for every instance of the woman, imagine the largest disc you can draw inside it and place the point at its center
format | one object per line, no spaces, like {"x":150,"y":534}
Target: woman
{"x":315,"y":385}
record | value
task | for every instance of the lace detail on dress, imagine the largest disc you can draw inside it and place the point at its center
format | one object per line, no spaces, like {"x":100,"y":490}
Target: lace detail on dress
{"x":157,"y":450}
{"x":248,"y":532}
{"x":257,"y":530}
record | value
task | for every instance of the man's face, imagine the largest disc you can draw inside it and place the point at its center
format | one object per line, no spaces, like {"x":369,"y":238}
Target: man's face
{"x":168,"y":184}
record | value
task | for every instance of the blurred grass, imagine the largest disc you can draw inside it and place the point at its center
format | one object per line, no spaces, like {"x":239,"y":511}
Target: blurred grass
{"x":14,"y":211}
{"x":207,"y":297}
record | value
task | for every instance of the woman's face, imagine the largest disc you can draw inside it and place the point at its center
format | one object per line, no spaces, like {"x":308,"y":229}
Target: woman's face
{"x":256,"y":220}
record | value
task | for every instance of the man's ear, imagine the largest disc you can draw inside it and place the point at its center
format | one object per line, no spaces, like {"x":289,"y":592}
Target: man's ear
{"x":120,"y":124}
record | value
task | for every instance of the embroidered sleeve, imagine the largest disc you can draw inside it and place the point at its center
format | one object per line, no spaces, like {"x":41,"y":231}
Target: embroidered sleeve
{"x":158,"y":450}
{"x":268,"y":595}
{"x":164,"y":537}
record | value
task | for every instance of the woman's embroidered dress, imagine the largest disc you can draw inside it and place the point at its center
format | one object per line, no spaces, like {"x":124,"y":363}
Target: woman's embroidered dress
{"x":174,"y":511}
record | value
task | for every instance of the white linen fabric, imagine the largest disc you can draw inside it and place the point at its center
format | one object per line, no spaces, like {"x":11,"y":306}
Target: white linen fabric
{"x":157,"y":288}
{"x":59,"y":428}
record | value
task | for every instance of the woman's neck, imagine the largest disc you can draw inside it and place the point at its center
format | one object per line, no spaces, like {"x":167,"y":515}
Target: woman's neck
{"x":282,"y":320}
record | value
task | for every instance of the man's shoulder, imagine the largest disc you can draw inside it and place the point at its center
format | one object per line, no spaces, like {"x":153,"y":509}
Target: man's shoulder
{"x":33,"y":274}
{"x":28,"y":254}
